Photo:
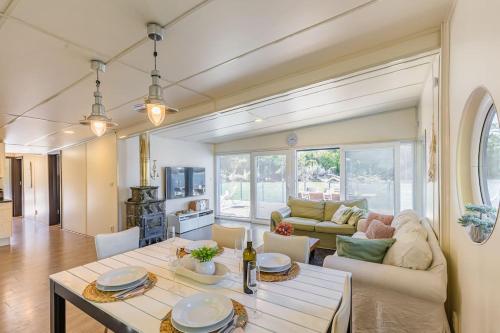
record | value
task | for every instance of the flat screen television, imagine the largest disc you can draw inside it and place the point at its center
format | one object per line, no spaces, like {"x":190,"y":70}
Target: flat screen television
{"x":175,"y":182}
{"x":184,"y":182}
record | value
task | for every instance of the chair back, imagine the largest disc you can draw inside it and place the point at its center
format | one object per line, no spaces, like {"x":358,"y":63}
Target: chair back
{"x":316,"y":196}
{"x":226,"y":236}
{"x":296,"y":247}
{"x":342,"y":318}
{"x":108,"y":245}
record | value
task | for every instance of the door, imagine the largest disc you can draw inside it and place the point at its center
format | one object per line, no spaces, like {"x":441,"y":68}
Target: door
{"x":233,"y":186}
{"x":54,"y":190}
{"x":270,"y":183}
{"x":17,"y":186}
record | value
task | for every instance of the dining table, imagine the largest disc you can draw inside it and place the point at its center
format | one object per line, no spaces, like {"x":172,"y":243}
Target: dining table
{"x":305,"y":304}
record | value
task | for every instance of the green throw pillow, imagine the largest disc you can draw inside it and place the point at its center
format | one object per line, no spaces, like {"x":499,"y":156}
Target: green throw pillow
{"x":372,"y":250}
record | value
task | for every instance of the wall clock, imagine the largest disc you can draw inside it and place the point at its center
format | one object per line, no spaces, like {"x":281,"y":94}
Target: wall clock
{"x":292,"y":139}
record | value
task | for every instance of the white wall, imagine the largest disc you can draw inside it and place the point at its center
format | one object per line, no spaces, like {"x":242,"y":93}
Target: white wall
{"x":388,"y":126}
{"x":167,"y":152}
{"x":474,"y":273}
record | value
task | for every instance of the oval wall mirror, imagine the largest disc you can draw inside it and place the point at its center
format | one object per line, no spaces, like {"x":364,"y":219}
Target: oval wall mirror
{"x":478,"y":166}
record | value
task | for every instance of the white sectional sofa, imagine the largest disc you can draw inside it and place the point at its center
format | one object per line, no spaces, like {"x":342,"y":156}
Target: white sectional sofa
{"x":390,"y":299}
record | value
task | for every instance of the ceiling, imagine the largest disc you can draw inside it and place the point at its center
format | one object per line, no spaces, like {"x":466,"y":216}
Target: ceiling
{"x":389,"y":87}
{"x":211,"y":49}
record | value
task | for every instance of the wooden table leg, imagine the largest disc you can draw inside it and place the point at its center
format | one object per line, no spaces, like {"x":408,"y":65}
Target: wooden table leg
{"x":57,"y":311}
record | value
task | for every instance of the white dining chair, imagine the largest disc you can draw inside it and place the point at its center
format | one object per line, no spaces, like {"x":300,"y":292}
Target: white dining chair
{"x":296,"y":247}
{"x":226,"y":236}
{"x":342,"y":318}
{"x":108,"y":245}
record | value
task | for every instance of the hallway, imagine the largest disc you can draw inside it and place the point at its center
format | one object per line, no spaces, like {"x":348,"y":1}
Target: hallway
{"x":36,"y":252}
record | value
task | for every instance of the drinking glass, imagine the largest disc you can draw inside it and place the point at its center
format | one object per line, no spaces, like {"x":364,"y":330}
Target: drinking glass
{"x":238,"y":254}
{"x":253,"y":277}
{"x":176,"y":263}
{"x":171,"y":234}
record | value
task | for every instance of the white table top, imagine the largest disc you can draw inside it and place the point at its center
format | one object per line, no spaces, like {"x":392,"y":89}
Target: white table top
{"x":304,"y":304}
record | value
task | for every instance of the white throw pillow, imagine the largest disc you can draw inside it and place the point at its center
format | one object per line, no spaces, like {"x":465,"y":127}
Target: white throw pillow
{"x":404,"y":217}
{"x":411,"y":226}
{"x":411,"y":249}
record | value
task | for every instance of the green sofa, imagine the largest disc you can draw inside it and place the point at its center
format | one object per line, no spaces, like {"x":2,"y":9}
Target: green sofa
{"x":313,"y":219}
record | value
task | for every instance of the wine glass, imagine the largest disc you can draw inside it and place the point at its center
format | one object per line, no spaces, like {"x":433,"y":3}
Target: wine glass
{"x":253,"y":276}
{"x":176,"y":263}
{"x":238,"y":254}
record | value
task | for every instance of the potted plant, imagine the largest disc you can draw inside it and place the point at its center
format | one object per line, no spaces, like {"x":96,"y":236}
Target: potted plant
{"x":479,"y":221}
{"x":204,"y":260}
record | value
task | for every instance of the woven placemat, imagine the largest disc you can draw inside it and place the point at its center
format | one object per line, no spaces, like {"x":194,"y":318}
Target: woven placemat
{"x":292,"y":273}
{"x":93,"y":294}
{"x":166,"y":323}
{"x":183,"y":252}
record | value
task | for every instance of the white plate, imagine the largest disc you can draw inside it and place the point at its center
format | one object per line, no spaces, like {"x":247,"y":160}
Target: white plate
{"x":273,"y":261}
{"x":212,"y":328}
{"x":275,"y":270}
{"x":201,"y":243}
{"x":118,"y":288}
{"x":122,"y":276}
{"x":202,"y":310}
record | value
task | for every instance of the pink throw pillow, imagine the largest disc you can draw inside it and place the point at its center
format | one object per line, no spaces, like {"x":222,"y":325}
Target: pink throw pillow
{"x":386,"y":219}
{"x":378,"y":230}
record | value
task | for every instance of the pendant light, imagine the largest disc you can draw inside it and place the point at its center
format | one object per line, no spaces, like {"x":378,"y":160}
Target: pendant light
{"x":98,"y":121}
{"x":154,"y":103}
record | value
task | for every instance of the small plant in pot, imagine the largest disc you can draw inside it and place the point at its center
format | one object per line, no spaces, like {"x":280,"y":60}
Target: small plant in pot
{"x":204,"y":260}
{"x":479,"y":221}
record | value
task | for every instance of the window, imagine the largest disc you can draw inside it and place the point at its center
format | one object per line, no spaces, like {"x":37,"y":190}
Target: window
{"x":489,"y":159}
{"x":407,"y":175}
{"x":270,"y":187}
{"x":370,"y":174}
{"x":318,"y":174}
{"x":234,"y":185}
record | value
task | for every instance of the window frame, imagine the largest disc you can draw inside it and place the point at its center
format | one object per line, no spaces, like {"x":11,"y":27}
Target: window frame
{"x":482,"y":153}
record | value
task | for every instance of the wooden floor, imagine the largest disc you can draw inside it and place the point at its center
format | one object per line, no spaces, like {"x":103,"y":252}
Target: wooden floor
{"x":36,"y":252}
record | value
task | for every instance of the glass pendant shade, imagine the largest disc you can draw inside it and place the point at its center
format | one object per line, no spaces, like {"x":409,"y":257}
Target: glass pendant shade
{"x":98,"y":127}
{"x":156,"y":113}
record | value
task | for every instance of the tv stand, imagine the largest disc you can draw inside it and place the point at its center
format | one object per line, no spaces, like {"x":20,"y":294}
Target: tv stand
{"x":190,"y":221}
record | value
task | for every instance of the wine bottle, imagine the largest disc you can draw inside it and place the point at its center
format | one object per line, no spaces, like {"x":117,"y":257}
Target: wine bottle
{"x":249,"y":255}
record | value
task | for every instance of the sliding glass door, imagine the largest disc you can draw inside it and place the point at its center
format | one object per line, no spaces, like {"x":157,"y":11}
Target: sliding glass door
{"x":270,"y":183}
{"x":233,"y":185}
{"x":251,"y":186}
{"x":370,"y":173}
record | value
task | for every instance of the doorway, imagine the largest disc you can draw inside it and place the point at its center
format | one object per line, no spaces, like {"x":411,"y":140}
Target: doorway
{"x":54,"y":189}
{"x":17,"y":185}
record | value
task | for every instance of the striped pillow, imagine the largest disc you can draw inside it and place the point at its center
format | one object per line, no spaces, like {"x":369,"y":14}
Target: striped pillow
{"x":342,"y":215}
{"x":357,"y":214}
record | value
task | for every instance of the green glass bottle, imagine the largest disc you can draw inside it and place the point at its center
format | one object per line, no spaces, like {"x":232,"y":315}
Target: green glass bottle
{"x":249,"y":255}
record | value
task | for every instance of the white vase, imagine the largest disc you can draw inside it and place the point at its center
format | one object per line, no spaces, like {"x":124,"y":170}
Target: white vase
{"x":207,"y":268}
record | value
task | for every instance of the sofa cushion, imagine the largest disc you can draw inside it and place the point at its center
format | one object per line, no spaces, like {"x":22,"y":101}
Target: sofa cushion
{"x":357,"y":214}
{"x":332,"y":206}
{"x":342,"y":215}
{"x":334,"y":228}
{"x":404,"y":217}
{"x":301,"y":223}
{"x":306,"y":208}
{"x":386,"y":219}
{"x":411,"y":249}
{"x":372,"y":250}
{"x":379,"y":230}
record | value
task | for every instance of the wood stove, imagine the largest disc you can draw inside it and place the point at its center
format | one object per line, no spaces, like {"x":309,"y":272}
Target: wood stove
{"x":147,"y":212}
